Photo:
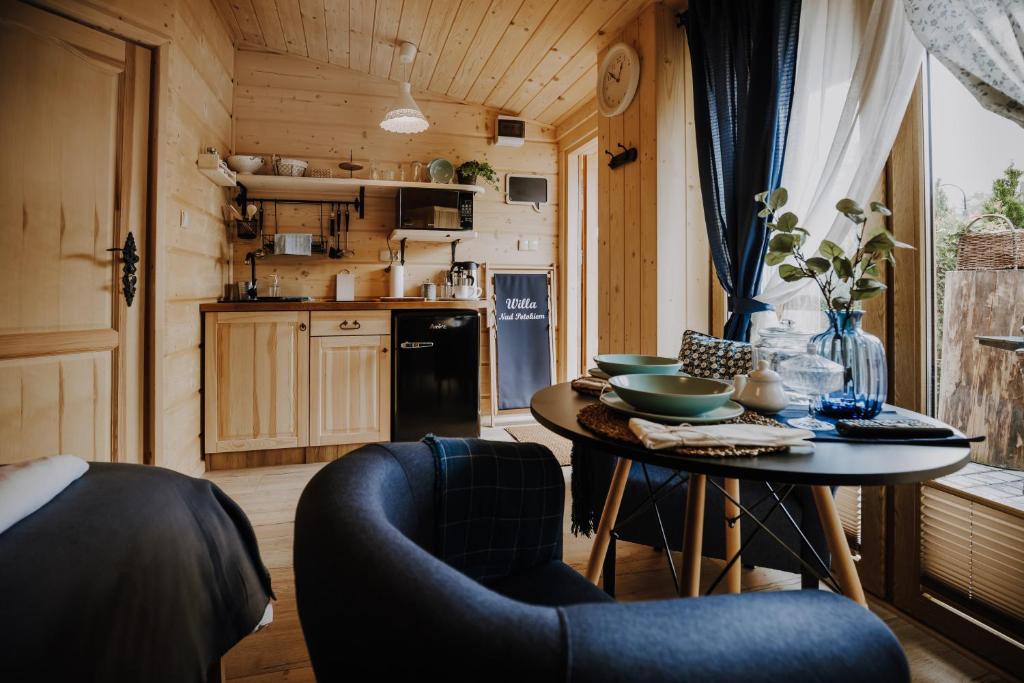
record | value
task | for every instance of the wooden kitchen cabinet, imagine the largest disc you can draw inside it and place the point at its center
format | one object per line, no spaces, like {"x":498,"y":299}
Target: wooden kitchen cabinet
{"x":256,"y":389}
{"x":350,"y":389}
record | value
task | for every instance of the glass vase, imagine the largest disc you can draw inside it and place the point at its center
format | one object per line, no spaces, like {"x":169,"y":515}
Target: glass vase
{"x":865,"y":382}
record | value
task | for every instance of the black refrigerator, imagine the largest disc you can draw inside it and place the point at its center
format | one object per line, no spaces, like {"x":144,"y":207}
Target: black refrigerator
{"x":435,"y":374}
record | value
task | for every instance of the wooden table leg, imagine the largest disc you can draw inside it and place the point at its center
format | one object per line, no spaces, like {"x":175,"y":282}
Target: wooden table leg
{"x":693,"y":536}
{"x":732,"y":534}
{"x":842,"y":558}
{"x":609,"y":514}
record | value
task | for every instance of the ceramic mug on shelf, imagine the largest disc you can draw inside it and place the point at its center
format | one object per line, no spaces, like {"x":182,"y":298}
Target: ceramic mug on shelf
{"x":466,"y":292}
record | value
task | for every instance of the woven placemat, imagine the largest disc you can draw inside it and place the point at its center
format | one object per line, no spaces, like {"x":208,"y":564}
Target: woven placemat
{"x":610,"y":424}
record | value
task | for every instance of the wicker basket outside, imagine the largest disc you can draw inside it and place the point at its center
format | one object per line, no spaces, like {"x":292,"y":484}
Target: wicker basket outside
{"x":992,"y":250}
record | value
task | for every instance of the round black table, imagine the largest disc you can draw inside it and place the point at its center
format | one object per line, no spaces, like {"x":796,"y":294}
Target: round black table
{"x":827,"y":464}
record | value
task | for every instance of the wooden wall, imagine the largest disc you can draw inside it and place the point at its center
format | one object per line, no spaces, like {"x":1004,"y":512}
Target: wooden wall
{"x":187,"y":265}
{"x":653,"y":251}
{"x":192,"y":259}
{"x":292,"y":106}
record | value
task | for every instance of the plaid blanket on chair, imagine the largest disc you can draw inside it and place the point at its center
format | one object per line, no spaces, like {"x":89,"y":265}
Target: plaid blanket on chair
{"x":498,"y":505}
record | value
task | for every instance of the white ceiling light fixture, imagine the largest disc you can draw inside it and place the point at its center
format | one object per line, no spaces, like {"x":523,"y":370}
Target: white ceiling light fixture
{"x":404,"y":115}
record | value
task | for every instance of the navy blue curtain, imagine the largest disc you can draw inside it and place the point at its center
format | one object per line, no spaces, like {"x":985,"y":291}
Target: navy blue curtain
{"x":743,"y":54}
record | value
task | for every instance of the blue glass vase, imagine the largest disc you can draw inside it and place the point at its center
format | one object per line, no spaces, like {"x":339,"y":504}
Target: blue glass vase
{"x":862,"y":356}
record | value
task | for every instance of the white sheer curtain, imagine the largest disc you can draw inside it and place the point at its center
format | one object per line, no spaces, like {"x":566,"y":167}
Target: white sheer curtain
{"x":982,"y":43}
{"x":857,"y":62}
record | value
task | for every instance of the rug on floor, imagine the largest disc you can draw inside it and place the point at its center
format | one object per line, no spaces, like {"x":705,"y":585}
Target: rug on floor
{"x":561,"y":447}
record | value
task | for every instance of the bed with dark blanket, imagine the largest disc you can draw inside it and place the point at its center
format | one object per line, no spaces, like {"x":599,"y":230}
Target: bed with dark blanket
{"x":132,"y":573}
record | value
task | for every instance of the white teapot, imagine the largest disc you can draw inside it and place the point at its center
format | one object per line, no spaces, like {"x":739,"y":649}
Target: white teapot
{"x":763,"y":390}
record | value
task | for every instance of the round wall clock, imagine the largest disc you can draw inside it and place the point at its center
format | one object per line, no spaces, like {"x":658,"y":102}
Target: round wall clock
{"x":617,"y":78}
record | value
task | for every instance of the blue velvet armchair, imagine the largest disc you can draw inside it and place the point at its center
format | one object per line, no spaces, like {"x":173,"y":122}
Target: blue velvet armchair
{"x":375,"y":603}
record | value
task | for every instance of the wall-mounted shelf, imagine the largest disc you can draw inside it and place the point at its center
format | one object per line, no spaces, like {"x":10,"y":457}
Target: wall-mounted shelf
{"x":433,"y":235}
{"x":453,"y":237}
{"x":284,"y":187}
{"x":216,"y":170}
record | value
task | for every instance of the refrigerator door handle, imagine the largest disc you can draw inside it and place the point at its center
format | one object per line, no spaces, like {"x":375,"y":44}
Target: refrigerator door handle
{"x":416,"y":345}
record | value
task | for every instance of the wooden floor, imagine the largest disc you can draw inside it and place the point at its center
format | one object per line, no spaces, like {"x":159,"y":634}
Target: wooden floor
{"x":277,"y":654}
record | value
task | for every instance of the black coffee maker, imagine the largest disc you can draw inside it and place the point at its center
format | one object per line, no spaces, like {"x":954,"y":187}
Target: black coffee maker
{"x":464,"y":273}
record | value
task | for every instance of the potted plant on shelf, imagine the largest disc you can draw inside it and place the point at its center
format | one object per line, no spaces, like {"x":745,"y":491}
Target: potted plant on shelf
{"x":844,"y":281}
{"x":469,"y":171}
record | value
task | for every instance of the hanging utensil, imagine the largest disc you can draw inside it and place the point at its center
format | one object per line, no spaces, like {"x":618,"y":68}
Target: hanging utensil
{"x":335,"y":251}
{"x":346,"y":251}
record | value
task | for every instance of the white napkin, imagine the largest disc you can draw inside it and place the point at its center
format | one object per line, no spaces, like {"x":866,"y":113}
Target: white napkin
{"x":659,"y":436}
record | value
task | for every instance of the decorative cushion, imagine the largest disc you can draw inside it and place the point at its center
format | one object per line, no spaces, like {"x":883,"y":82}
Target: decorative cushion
{"x":706,"y":356}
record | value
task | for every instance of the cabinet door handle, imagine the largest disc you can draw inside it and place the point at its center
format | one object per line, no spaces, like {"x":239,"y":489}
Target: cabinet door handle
{"x":416,"y":345}
{"x":302,"y":327}
{"x":354,"y":325}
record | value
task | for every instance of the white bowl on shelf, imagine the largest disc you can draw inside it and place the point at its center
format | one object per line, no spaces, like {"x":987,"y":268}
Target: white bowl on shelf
{"x":245,"y":163}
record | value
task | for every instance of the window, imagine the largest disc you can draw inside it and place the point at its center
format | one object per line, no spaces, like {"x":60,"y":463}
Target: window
{"x":971,"y":524}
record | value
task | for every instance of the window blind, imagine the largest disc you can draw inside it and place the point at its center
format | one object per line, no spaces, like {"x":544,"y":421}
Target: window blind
{"x":848,"y":503}
{"x":974,"y":548}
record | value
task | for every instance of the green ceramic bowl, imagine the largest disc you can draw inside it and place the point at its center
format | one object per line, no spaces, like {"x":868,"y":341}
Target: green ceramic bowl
{"x":636,"y":364}
{"x":671,"y":394}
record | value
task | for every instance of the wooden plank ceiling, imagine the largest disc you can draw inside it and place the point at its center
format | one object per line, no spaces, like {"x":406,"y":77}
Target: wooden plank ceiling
{"x":531,"y":58}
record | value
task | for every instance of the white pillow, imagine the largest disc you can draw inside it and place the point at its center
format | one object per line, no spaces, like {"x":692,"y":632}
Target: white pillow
{"x":27,"y":486}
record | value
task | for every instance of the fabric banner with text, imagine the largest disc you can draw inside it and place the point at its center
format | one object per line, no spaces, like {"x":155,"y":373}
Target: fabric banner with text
{"x":523,"y":321}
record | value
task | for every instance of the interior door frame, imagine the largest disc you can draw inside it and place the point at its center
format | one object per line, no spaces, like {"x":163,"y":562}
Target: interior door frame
{"x":136,"y":98}
{"x":572,"y":242}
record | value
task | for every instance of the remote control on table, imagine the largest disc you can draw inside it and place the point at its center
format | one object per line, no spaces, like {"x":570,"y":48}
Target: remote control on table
{"x":898,"y":428}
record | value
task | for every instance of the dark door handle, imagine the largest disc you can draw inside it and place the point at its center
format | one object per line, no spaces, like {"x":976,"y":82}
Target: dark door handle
{"x":129,"y":267}
{"x":354,"y":325}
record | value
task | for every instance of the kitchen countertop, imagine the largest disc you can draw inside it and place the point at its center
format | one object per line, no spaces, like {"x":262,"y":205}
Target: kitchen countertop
{"x":359,"y":305}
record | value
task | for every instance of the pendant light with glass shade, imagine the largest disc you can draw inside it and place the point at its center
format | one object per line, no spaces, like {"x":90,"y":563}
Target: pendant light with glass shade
{"x":404,"y":115}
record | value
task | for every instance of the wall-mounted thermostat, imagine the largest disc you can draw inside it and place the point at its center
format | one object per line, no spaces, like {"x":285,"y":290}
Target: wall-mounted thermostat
{"x":526,"y":189}
{"x":509,"y":132}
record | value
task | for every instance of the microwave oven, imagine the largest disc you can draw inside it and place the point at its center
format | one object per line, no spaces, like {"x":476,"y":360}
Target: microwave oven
{"x":420,"y":208}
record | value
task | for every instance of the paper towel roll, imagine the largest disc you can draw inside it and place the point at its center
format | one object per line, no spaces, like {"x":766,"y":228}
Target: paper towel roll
{"x":397,"y":279}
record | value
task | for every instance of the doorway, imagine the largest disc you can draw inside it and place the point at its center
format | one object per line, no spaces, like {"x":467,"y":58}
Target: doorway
{"x":73,"y":194}
{"x":581,"y":258}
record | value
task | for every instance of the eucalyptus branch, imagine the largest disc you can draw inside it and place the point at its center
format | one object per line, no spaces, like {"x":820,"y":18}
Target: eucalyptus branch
{"x":825,"y":286}
{"x":830,"y":267}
